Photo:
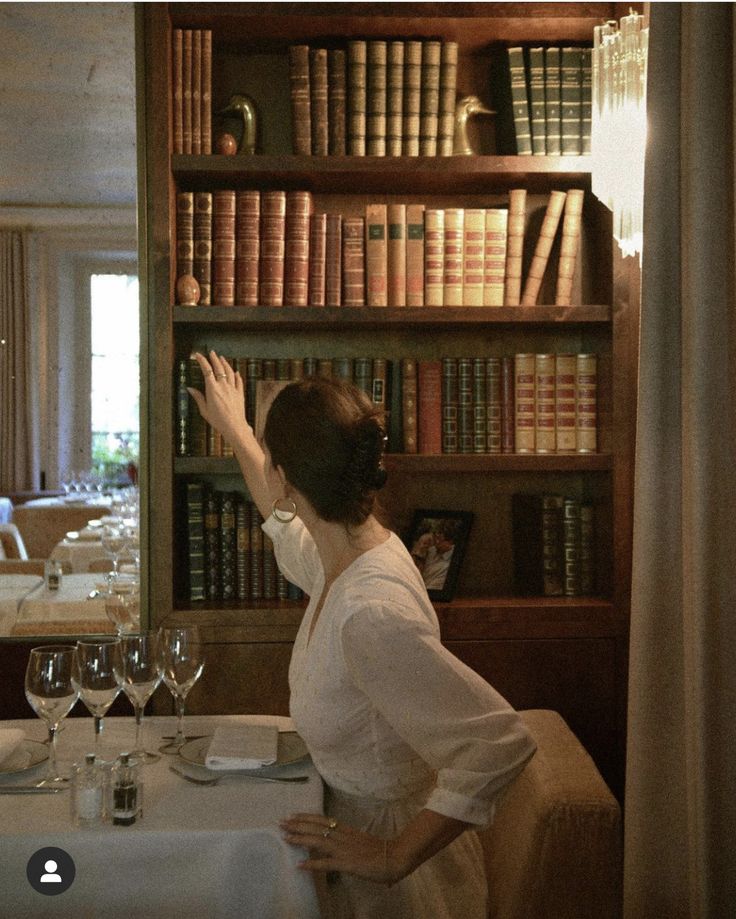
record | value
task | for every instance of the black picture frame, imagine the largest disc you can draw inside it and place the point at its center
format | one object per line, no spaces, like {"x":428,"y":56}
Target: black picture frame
{"x":454,"y":526}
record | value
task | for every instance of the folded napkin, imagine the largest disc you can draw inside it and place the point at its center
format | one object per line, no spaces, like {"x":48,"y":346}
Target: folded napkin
{"x":243,"y":746}
{"x":10,"y":740}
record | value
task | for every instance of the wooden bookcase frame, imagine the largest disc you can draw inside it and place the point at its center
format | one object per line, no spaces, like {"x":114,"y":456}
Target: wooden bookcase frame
{"x":538,"y":651}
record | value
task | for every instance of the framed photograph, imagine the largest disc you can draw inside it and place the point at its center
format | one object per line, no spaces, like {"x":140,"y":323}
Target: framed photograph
{"x":437,"y":541}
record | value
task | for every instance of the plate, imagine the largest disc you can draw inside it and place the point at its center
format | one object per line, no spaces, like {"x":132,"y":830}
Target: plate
{"x":291,"y":749}
{"x":27,"y":755}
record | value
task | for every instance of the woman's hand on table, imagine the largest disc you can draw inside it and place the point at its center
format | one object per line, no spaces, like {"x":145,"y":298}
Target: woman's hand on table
{"x":334,"y":846}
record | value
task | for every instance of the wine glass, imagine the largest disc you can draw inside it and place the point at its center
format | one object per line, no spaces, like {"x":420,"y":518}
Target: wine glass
{"x":51,"y":695}
{"x":142,"y":675}
{"x":181,"y":657}
{"x":97,"y":675}
{"x":122,"y":604}
{"x":113,"y":542}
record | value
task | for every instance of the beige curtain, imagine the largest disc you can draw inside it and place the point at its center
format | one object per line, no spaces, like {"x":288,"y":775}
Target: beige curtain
{"x":680,"y":826}
{"x":15,"y":424}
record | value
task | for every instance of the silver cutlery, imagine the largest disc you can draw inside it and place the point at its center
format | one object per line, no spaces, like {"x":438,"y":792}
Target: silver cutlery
{"x":29,"y":790}
{"x":215,"y":780}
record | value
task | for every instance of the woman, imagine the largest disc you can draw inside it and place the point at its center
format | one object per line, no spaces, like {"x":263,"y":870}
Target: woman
{"x":413,"y":746}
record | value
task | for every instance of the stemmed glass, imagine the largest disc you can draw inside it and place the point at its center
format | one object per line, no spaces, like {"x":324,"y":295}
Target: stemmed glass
{"x":97,"y":676}
{"x":122,"y":604}
{"x":51,"y":694}
{"x":181,"y":657}
{"x":142,"y":675}
{"x":113,"y":542}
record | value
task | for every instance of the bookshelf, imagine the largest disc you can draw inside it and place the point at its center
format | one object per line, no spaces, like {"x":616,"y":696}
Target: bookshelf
{"x":567,"y":653}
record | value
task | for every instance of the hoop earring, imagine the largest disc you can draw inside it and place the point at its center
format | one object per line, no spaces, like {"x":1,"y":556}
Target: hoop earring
{"x":283,"y":516}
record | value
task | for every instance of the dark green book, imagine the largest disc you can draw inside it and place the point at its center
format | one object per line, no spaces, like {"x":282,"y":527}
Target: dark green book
{"x":537,"y":105}
{"x":552,"y":100}
{"x":536,"y":524}
{"x":586,"y":111}
{"x":228,"y":546}
{"x":520,"y":101}
{"x":195,"y":540}
{"x":449,"y":405}
{"x":571,"y":100}
{"x":465,"y":404}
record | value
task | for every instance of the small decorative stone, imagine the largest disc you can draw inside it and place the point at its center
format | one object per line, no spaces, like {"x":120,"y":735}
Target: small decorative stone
{"x":227,"y":145}
{"x":187,"y":290}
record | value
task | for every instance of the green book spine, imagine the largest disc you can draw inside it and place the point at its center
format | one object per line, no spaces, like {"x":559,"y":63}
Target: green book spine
{"x":520,"y":101}
{"x":537,"y":113}
{"x":552,"y":100}
{"x":465,"y":404}
{"x":182,"y":409}
{"x":211,"y":544}
{"x":480,"y":428}
{"x":228,"y":546}
{"x":493,"y":404}
{"x":571,"y":101}
{"x":571,"y":546}
{"x":242,"y":548}
{"x":195,"y":540}
{"x":586,"y":111}
{"x":449,"y":405}
{"x":197,"y":427}
{"x":364,"y":374}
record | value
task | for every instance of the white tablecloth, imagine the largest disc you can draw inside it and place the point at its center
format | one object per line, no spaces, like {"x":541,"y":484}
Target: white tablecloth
{"x":66,"y":611}
{"x":13,"y":588}
{"x":211,"y":852}
{"x":78,"y":553}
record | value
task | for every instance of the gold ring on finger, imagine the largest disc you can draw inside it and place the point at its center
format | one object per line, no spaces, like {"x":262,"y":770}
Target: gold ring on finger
{"x":220,"y":376}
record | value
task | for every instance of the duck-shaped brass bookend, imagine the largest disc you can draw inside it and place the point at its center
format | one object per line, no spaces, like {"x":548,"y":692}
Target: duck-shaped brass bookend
{"x":466,"y":108}
{"x":242,"y":110}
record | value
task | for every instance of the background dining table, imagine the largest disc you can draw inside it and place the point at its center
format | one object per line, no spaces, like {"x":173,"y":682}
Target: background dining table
{"x":70,"y":610}
{"x":214,"y":851}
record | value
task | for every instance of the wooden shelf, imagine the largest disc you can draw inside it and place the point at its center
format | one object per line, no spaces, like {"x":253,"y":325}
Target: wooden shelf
{"x":416,"y":464}
{"x":381,"y":174}
{"x":475,"y":25}
{"x":296,"y":317}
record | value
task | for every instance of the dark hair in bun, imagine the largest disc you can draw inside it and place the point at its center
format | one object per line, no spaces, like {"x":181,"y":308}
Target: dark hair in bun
{"x":329,"y":438}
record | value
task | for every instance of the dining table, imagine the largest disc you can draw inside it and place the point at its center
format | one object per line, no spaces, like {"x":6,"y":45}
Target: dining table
{"x":195,"y":851}
{"x":13,"y":590}
{"x":76,"y":608}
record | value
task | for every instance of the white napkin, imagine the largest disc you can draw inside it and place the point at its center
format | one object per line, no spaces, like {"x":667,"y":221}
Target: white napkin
{"x":243,"y":746}
{"x":10,"y":740}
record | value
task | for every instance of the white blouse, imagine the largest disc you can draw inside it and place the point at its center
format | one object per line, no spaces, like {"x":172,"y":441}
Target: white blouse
{"x":384,"y":708}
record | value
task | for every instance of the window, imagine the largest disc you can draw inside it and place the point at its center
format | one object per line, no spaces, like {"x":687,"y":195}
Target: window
{"x":115,"y":379}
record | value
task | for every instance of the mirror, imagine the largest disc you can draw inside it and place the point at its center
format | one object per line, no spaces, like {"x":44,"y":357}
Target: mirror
{"x":68,"y":195}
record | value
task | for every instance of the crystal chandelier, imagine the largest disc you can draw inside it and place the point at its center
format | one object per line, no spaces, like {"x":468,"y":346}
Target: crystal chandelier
{"x":619,"y":125}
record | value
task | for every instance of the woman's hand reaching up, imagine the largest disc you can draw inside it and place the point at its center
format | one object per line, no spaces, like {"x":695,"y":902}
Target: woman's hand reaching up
{"x":223,"y":402}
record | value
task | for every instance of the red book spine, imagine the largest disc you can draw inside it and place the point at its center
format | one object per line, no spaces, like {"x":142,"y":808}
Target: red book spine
{"x":296,"y":265}
{"x":187,"y":92}
{"x":317,"y":257}
{"x":196,"y":91}
{"x":206,"y":101}
{"x":301,"y":129}
{"x":223,"y":248}
{"x":178,"y":91}
{"x":333,"y":260}
{"x":318,"y":100}
{"x":273,"y":241}
{"x":247,"y":245}
{"x":203,"y":245}
{"x":429,"y":406}
{"x":184,"y":233}
{"x":353,"y":261}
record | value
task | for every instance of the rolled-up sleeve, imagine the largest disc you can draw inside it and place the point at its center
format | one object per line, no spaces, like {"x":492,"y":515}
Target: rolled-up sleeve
{"x":296,"y":552}
{"x":442,"y":709}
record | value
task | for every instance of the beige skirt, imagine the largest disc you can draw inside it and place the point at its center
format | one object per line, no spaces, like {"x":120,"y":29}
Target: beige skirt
{"x":450,"y":885}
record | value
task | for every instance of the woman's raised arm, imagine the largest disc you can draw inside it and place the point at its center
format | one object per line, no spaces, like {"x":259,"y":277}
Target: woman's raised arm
{"x":223,"y":406}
